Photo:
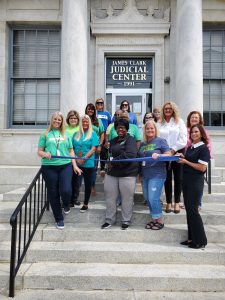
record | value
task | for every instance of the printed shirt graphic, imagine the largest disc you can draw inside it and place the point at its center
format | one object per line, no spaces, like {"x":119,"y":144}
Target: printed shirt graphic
{"x":51,"y":143}
{"x":153,"y":169}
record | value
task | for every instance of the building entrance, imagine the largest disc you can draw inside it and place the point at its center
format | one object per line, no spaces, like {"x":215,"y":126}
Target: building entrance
{"x":140,"y":101}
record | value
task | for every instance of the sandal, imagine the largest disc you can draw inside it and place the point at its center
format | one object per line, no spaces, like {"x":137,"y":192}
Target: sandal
{"x":149,"y":225}
{"x":157,"y":226}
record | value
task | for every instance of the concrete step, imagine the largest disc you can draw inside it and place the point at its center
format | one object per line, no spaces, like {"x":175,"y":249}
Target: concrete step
{"x":120,"y":253}
{"x":17,"y":194}
{"x":219,"y":171}
{"x":63,"y":294}
{"x":125,"y":277}
{"x":172,"y":233}
{"x":212,"y":214}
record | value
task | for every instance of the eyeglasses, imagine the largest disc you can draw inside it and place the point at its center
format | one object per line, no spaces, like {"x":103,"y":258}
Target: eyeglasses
{"x":125,"y":104}
{"x":168,"y":108}
{"x":149,"y":118}
{"x":99,"y":103}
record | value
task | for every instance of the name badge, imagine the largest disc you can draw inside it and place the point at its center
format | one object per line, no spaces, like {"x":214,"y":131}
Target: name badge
{"x":143,"y":163}
{"x":57,"y":152}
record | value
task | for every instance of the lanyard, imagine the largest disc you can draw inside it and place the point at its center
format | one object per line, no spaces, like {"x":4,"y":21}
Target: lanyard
{"x":57,"y":140}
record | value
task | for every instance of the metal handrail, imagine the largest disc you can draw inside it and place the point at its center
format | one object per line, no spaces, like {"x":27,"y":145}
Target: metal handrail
{"x":24,"y":222}
{"x":208,"y":177}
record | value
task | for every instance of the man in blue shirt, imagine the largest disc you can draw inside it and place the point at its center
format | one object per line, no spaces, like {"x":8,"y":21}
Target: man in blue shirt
{"x":106,"y":120}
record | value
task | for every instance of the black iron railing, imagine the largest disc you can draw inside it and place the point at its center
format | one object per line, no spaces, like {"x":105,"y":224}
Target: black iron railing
{"x":208,"y":177}
{"x":24,"y":222}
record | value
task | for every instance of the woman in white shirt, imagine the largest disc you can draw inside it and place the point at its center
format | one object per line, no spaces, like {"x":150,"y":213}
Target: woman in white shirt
{"x":172,"y":128}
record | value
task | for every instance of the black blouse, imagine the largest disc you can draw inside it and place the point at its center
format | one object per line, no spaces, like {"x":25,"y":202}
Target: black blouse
{"x":198,"y":153}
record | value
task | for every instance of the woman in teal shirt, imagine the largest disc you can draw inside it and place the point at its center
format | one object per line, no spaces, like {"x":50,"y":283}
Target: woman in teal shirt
{"x":73,"y":120}
{"x":85,"y":142}
{"x":98,"y":127}
{"x":57,"y":172}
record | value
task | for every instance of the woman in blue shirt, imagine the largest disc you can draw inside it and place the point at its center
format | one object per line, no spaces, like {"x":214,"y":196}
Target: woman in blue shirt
{"x":85,"y":142}
{"x":153,"y":173}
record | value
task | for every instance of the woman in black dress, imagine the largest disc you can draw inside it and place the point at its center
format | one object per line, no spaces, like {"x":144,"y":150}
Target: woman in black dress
{"x":195,"y":164}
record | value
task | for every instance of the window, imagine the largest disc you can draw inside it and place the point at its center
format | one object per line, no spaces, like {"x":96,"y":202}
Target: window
{"x":35,"y":76}
{"x":214,"y":77}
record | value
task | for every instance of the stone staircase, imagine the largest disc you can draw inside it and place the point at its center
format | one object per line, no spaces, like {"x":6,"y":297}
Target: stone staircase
{"x":85,"y":262}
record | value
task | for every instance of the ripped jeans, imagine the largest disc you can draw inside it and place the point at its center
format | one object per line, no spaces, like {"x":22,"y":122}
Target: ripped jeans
{"x":152,"y":189}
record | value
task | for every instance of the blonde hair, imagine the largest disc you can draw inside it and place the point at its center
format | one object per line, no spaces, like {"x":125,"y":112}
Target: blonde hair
{"x":150,"y":122}
{"x":80,"y":133}
{"x":175,"y":115}
{"x":62,"y":126}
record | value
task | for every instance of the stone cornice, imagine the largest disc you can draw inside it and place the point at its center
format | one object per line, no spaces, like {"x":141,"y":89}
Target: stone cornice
{"x":130,"y":21}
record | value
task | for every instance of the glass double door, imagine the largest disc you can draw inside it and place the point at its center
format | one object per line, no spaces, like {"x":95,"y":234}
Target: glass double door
{"x":139,"y":101}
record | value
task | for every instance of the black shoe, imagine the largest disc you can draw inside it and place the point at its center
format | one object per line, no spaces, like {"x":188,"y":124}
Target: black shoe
{"x":77,"y":202}
{"x":198,"y":246}
{"x":66,"y":210}
{"x":124,"y":226}
{"x":106,"y":225}
{"x":84,"y":208}
{"x":186,"y":243}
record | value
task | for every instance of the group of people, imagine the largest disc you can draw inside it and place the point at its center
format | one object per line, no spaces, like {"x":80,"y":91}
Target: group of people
{"x":118,"y":143}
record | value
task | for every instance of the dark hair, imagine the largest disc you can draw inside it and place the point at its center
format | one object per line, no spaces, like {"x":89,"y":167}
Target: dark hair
{"x":72,"y":113}
{"x":201,"y":122}
{"x":121,"y":122}
{"x":121,"y":105}
{"x":154,"y":118}
{"x":204,"y":137}
{"x":94,"y":119}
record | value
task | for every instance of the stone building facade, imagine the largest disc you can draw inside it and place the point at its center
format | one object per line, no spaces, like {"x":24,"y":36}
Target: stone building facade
{"x":61,"y":55}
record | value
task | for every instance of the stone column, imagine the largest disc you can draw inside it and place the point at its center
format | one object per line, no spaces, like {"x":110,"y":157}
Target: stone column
{"x":74,"y":56}
{"x":189,"y":74}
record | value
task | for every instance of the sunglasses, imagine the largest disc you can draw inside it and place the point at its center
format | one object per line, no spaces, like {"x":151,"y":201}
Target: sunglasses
{"x":149,"y":118}
{"x":124,"y":104}
{"x":99,"y":103}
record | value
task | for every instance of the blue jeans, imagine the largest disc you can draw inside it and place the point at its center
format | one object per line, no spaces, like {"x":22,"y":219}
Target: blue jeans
{"x":58,"y":181}
{"x":152,"y":189}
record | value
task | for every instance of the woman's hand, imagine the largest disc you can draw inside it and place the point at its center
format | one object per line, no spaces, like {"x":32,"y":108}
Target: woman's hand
{"x":99,"y":149}
{"x":182,"y":160}
{"x":47,"y":155}
{"x":77,"y":170}
{"x":155,"y":155}
{"x":80,"y":161}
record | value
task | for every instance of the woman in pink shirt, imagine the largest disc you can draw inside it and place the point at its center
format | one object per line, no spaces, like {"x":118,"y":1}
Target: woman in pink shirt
{"x":194,"y":118}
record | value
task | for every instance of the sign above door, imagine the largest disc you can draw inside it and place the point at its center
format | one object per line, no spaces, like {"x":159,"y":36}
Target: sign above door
{"x":128,"y":73}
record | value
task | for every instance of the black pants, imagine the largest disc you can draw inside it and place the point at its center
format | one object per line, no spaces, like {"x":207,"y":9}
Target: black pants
{"x":193,"y":185}
{"x":173,"y":168}
{"x":87,"y":175}
{"x":58,"y":181}
{"x":104,"y":156}
{"x":76,"y":184}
